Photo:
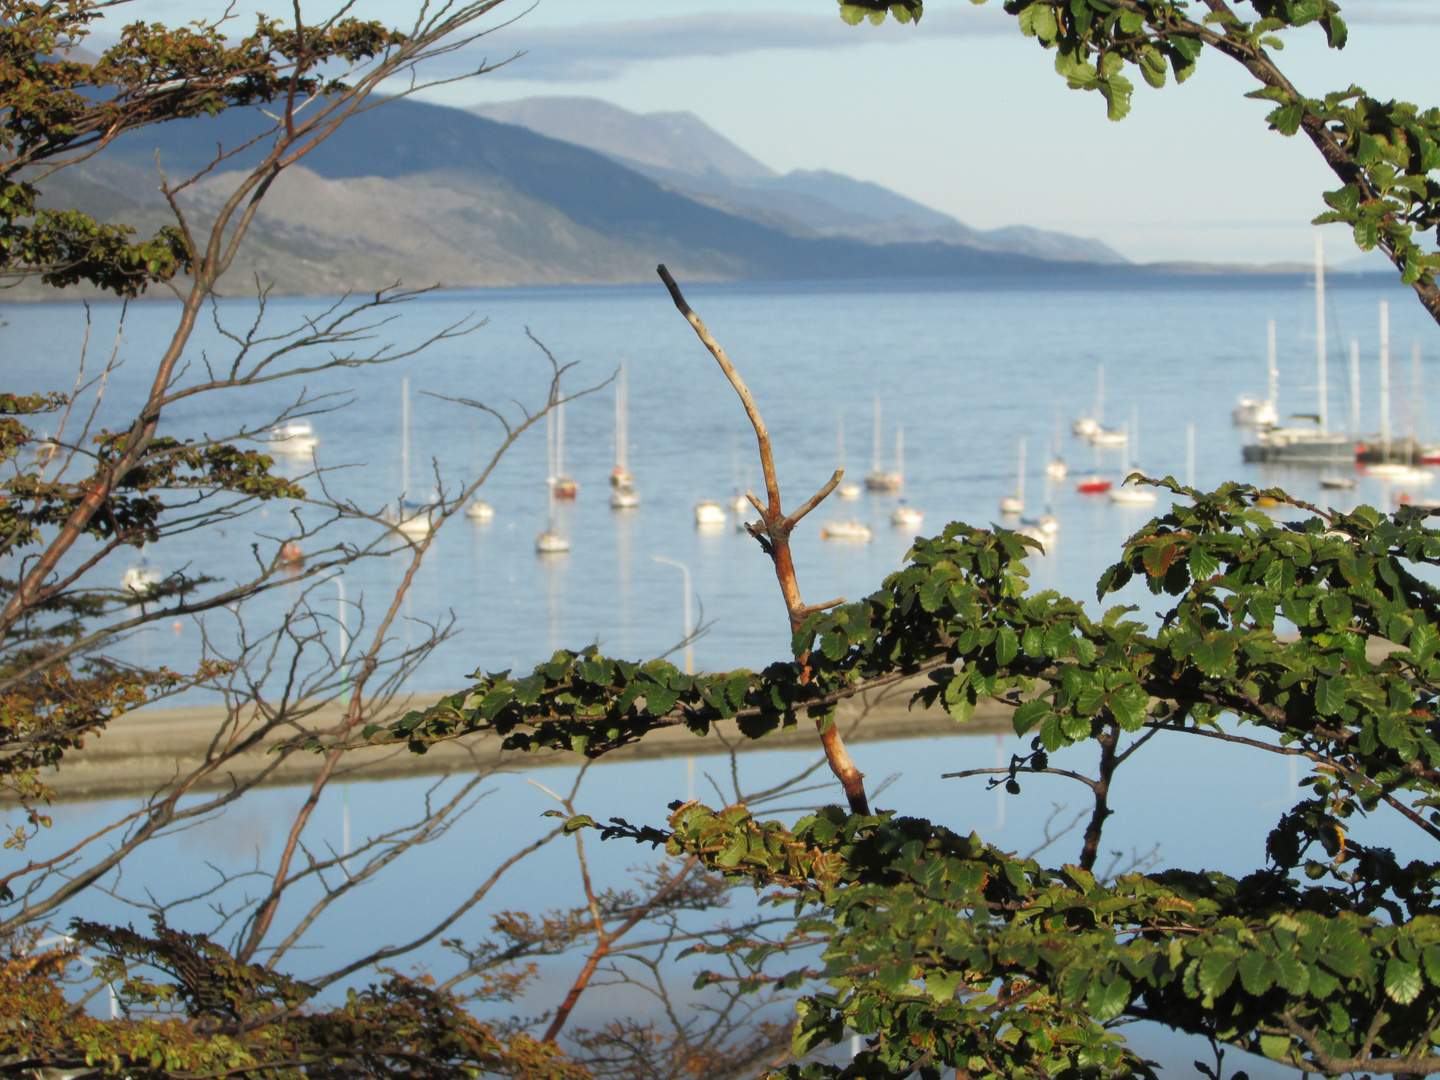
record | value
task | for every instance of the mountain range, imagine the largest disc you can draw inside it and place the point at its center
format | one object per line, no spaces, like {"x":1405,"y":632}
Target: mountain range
{"x":427,"y":194}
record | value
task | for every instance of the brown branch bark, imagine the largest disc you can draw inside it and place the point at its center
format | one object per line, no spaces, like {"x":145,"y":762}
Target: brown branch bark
{"x":773,"y":532}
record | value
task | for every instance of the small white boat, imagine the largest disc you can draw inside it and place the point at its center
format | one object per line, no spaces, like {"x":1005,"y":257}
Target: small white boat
{"x":624,"y":498}
{"x":906,"y":517}
{"x":1399,"y":473}
{"x":141,"y":579}
{"x":1048,"y":523}
{"x":1132,"y":494}
{"x":1261,"y":412}
{"x":845,"y":530}
{"x":738,"y":503}
{"x":1337,"y":483}
{"x":1084,"y":427}
{"x":1106,"y":437}
{"x":848,"y":491}
{"x":551,"y":543}
{"x":709,"y":513}
{"x":1056,"y":469}
{"x":296,"y":437}
{"x":479,"y":510}
{"x":411,"y":520}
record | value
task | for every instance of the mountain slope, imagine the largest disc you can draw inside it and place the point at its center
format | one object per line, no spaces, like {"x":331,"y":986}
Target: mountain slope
{"x":681,"y":152}
{"x":427,"y":194}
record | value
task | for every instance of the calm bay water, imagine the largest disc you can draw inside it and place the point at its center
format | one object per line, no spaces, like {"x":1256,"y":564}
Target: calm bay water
{"x":969,"y":370}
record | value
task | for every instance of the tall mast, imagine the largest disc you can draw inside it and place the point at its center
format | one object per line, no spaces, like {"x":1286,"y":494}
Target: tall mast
{"x":1385,"y":379}
{"x":1417,"y":393}
{"x":1354,"y":388}
{"x":405,"y":437}
{"x":875,"y":466}
{"x":1321,"y":389}
{"x":900,"y":452}
{"x":1020,"y":475}
{"x":1272,"y":370}
{"x":840,"y":441}
{"x":550,"y":449}
{"x":559,"y":438}
{"x":1100,"y":396}
{"x":622,"y":433}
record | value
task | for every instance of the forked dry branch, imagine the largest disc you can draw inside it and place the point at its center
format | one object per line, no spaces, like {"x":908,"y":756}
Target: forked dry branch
{"x":773,"y":531}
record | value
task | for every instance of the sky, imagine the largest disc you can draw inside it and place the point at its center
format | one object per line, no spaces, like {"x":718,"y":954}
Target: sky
{"x":961,"y":113}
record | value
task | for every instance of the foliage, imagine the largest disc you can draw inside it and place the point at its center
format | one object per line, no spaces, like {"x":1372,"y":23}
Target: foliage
{"x":946,"y":951}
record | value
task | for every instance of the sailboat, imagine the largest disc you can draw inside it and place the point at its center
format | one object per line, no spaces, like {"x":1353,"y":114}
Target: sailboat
{"x":622,"y":487}
{"x":1261,"y":412}
{"x":1055,"y":468}
{"x":1128,"y":491}
{"x":1387,"y":467}
{"x":737,"y":502}
{"x":562,"y":486}
{"x":1307,"y":444}
{"x":849,"y":489}
{"x":1094,"y":429}
{"x":477,"y":509}
{"x":552,"y":541}
{"x":1015,"y":504}
{"x":409,"y":517}
{"x":879,"y":479}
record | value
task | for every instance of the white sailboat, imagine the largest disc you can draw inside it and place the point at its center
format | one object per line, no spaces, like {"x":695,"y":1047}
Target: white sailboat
{"x":477,"y":509}
{"x":410,"y":517}
{"x":737,"y":502}
{"x":879,"y":479}
{"x":1129,"y":491}
{"x":552,"y":541}
{"x":847,"y":489}
{"x":1261,"y":412}
{"x":623,"y":495}
{"x":1015,"y":504}
{"x":1055,"y":467}
{"x":560,"y":484}
{"x":1094,"y":430}
{"x":1386,"y":469}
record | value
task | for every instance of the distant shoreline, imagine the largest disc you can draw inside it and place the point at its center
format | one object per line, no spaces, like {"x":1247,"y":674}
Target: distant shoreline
{"x":1067,"y":276}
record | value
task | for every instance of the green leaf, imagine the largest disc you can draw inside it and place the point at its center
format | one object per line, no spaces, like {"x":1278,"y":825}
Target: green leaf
{"x":1424,"y":640}
{"x":1217,"y":971}
{"x":1006,"y":645}
{"x":1029,"y":714}
{"x":1105,"y":1001}
{"x":1329,"y":695}
{"x":1402,"y":981}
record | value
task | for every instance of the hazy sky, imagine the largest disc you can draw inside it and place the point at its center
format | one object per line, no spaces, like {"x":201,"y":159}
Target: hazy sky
{"x":961,"y":112}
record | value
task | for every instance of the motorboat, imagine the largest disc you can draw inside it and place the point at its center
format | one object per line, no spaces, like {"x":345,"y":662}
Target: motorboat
{"x":845,"y":530}
{"x":1093,"y":484}
{"x":709,"y":513}
{"x":296,"y":437}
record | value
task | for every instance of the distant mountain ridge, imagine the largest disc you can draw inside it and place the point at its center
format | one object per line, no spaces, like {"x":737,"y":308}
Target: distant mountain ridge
{"x":683,"y":153}
{"x":431,"y":195}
